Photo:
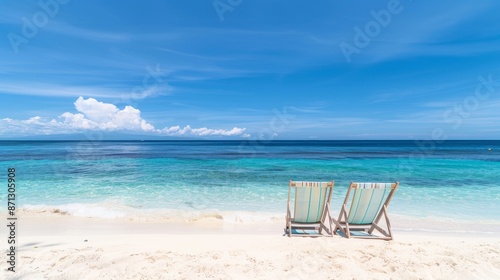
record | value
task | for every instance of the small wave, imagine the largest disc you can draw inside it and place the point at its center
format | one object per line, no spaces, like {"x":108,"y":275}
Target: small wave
{"x":204,"y":216}
{"x":74,"y":209}
{"x":121,"y":211}
{"x":240,"y":217}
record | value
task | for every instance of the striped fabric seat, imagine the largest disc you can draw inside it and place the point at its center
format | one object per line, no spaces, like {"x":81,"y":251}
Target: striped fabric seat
{"x":309,"y":201}
{"x":310,"y":207}
{"x":366,"y":208}
{"x":367,"y":201}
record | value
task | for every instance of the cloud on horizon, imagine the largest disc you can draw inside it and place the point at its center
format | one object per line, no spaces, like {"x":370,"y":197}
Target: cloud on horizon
{"x":100,"y":116}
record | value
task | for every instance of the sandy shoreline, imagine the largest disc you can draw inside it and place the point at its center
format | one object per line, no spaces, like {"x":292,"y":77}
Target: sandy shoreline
{"x":69,"y":247}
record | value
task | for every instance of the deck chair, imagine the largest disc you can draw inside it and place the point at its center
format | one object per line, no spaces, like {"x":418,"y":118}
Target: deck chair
{"x":311,"y":209}
{"x":369,"y":203}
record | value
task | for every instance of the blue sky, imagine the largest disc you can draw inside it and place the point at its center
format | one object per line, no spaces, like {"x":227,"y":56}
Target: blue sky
{"x":242,"y":69}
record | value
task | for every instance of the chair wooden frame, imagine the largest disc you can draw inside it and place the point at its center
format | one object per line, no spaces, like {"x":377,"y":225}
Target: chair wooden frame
{"x":346,"y":228}
{"x":319,"y":224}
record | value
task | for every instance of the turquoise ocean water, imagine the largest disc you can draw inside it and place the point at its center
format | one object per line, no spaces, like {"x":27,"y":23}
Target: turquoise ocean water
{"x":454,"y":183}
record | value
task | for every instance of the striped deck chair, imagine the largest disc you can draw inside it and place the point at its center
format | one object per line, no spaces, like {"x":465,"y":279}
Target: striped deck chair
{"x":311,"y":208}
{"x":369,"y":203}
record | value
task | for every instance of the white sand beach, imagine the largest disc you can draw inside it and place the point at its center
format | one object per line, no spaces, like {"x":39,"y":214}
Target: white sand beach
{"x":68,"y":247}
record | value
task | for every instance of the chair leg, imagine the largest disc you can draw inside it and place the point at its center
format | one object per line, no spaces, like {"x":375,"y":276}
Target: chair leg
{"x":330,"y":224}
{"x":388,"y":224}
{"x":346,"y":231}
{"x":374,"y":226}
{"x":337,"y":226}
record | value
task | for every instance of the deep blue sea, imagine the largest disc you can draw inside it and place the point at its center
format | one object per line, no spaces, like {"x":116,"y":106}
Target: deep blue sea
{"x":454,"y":182}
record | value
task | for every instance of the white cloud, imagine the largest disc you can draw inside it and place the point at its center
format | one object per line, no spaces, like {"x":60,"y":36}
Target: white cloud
{"x":187,"y":130}
{"x":76,"y":121}
{"x":48,"y":89}
{"x":95,"y":110}
{"x":33,"y":120}
{"x":207,"y":131}
{"x":98,"y":115}
{"x":95,"y":115}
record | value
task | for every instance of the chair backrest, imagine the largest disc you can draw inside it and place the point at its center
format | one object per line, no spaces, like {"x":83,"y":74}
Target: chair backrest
{"x":310,"y":200}
{"x":368,"y":200}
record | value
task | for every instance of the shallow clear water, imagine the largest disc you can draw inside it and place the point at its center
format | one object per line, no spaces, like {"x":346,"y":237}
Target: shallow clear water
{"x":457,"y":180}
